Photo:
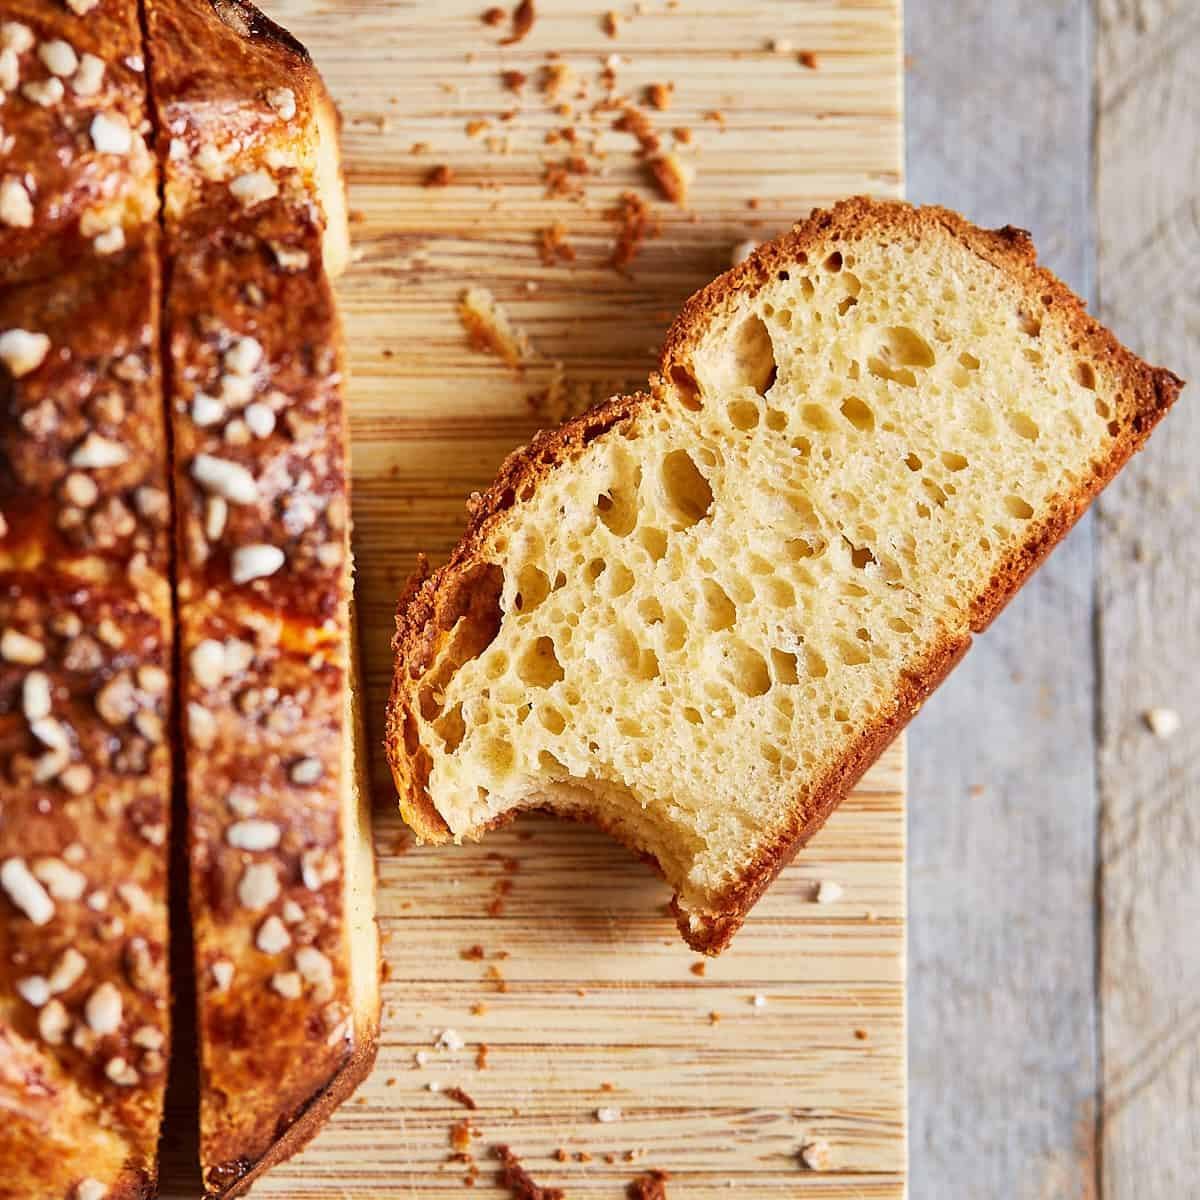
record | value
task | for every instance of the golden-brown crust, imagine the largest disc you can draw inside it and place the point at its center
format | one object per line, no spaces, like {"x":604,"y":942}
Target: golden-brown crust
{"x":1147,"y":393}
{"x":263,"y":583}
{"x":84,"y":1003}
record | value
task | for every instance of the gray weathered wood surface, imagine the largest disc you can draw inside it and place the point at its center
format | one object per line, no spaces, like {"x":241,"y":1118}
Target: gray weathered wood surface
{"x":1054,"y":865}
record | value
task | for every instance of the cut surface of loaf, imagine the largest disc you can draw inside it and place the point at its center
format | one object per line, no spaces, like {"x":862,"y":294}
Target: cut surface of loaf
{"x":695,"y":616}
{"x":282,"y":877}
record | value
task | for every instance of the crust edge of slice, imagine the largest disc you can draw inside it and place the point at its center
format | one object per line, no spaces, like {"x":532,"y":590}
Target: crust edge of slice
{"x":1152,"y":392}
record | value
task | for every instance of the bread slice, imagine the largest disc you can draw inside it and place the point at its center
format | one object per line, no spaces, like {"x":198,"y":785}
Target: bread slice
{"x":694,"y":617}
{"x":85,"y":614}
{"x":282,"y":878}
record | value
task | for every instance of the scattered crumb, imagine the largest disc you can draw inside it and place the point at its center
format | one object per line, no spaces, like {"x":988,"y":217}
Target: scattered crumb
{"x":672,"y":177}
{"x":561,"y":1155}
{"x":976,"y":790}
{"x":489,"y":329}
{"x":780,"y":46}
{"x":513,"y":1176}
{"x":481,"y":1057}
{"x":472,"y":953}
{"x":449,"y":1039}
{"x":862,"y":1035}
{"x":651,"y":1186}
{"x":439,"y":176}
{"x":479,"y":1009}
{"x":461,"y":1133}
{"x":419,"y":148}
{"x":420,"y":1058}
{"x":636,"y":222}
{"x":556,"y":77}
{"x":742,"y":251}
{"x":434,"y":1085}
{"x":682,"y":134}
{"x":608,"y":1087}
{"x":815,"y":1155}
{"x":608,"y":1114}
{"x":460,"y":1097}
{"x":553,"y":246}
{"x":611,"y":25}
{"x":754,"y":202}
{"x":633,"y":120}
{"x":828,"y":892}
{"x":391,"y":1081}
{"x":698,"y":968}
{"x":522,"y":22}
{"x":475,"y":128}
{"x":581,"y":992}
{"x":583,"y":1156}
{"x":759,"y":1001}
{"x":714,"y":1017}
{"x":497,"y":977}
{"x":1163,"y":722}
{"x":715,"y":116}
{"x":809,"y":59}
{"x":514,"y":81}
{"x":659,"y":95}
{"x":493,"y":16}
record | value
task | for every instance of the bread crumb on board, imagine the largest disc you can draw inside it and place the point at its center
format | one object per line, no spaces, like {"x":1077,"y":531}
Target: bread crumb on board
{"x":1162,"y":722}
{"x":489,"y":328}
{"x":519,"y":1182}
{"x":608,"y":1114}
{"x":828,"y":892}
{"x":816,"y":1155}
{"x":651,"y":1186}
{"x":523,"y":18}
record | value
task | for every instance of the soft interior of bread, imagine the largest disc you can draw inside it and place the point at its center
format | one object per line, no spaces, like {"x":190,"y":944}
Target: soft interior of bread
{"x":693,"y":622}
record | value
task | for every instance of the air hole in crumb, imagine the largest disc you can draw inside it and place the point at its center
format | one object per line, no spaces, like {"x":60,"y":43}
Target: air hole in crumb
{"x":552,"y":720}
{"x":859,"y":414}
{"x":686,"y":385}
{"x":1015,"y":506}
{"x":687,"y":491}
{"x":533,"y":586}
{"x":833,"y":263}
{"x":620,"y":580}
{"x":618,"y":511}
{"x":650,"y":610}
{"x":539,"y":665}
{"x":845,"y":305}
{"x":719,"y":611}
{"x":783,"y":665}
{"x":654,"y":541}
{"x":747,"y":669}
{"x":935,"y":492}
{"x":968,"y":360}
{"x":861,"y":556}
{"x":595,"y":569}
{"x":952,"y":461}
{"x":548,"y":764}
{"x":815,"y":664}
{"x":806,"y":287}
{"x":776,"y":421}
{"x":817,"y":416}
{"x":754,"y":357}
{"x":851,"y":653}
{"x":692,"y":715}
{"x":913,"y":463}
{"x":743,"y":414}
{"x":1023,"y":425}
{"x":451,"y":728}
{"x":1086,"y":376}
{"x":1030,"y":324}
{"x":899,"y":625}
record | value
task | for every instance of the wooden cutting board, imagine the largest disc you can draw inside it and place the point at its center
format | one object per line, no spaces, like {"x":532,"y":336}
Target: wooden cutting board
{"x":585,"y":996}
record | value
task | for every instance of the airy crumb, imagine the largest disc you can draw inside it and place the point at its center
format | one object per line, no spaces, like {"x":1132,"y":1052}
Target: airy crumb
{"x":828,"y":892}
{"x":489,"y":329}
{"x":816,"y":1155}
{"x":1163,"y":722}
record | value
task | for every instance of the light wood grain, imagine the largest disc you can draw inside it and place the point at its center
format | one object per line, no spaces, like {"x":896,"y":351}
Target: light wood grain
{"x":1148,"y":206}
{"x":598,"y":983}
{"x":1004,"y":803}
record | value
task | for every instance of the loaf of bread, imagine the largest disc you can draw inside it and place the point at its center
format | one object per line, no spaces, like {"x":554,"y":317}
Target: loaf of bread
{"x":696,"y":616}
{"x":85,"y":612}
{"x":282,"y":877}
